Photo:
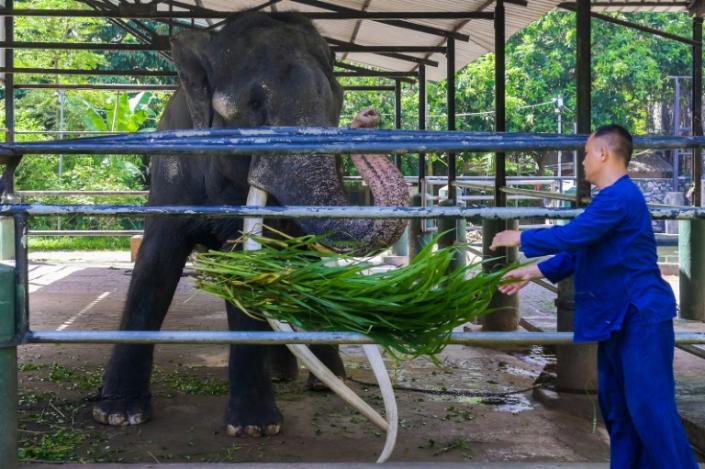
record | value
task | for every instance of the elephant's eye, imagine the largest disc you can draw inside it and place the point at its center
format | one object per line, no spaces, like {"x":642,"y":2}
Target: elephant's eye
{"x":257,"y":97}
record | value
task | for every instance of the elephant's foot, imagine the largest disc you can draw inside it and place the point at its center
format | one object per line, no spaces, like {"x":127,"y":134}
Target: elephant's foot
{"x":253,"y":420}
{"x":316,"y":385}
{"x":330,"y":357}
{"x":121,"y":412}
{"x":284,"y":366}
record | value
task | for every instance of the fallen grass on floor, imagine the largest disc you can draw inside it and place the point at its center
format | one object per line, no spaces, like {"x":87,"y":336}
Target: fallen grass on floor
{"x":82,"y":243}
{"x":411,"y":310}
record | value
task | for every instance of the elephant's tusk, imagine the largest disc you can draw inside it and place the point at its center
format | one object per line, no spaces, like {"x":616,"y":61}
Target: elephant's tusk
{"x":258,"y":197}
{"x":390,"y":402}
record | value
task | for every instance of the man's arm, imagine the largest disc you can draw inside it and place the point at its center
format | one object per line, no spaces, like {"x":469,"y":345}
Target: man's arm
{"x":558,"y":267}
{"x":605,"y":212}
{"x":555,"y":269}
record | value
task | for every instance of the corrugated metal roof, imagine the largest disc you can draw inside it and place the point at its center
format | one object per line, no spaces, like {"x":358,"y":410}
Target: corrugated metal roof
{"x":375,"y":33}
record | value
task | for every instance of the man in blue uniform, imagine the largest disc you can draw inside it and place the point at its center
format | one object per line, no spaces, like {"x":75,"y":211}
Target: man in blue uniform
{"x":621,"y":301}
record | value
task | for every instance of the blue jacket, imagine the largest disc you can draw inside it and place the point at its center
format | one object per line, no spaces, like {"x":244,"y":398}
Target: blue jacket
{"x":611,"y":251}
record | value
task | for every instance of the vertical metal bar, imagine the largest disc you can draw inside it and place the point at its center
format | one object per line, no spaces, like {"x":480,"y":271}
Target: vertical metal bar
{"x":500,"y":124}
{"x":691,"y":236}
{"x":21,"y":275}
{"x":584,"y":85}
{"x":9,"y":77}
{"x":577,"y":365}
{"x":422,"y":121}
{"x":506,"y":317}
{"x":8,"y":329}
{"x":697,"y":100}
{"x":450,"y":66}
{"x":676,"y":130}
{"x":8,"y":370}
{"x":397,"y":115}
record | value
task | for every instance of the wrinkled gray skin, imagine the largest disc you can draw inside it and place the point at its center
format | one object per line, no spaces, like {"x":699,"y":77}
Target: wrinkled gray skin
{"x":259,"y":70}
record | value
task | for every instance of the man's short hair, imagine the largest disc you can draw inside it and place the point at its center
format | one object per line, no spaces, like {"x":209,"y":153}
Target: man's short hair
{"x":619,"y":140}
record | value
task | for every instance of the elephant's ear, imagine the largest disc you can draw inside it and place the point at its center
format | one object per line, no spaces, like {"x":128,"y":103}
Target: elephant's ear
{"x":189,"y":50}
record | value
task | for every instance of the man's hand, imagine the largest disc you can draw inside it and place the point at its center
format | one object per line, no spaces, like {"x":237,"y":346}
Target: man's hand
{"x":522,"y":276}
{"x":367,"y":118}
{"x":506,"y":238}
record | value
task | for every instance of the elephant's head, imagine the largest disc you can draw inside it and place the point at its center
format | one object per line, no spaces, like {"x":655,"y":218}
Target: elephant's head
{"x":276,"y":70}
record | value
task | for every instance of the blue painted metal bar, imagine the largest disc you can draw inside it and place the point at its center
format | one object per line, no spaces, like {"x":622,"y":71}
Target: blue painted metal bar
{"x":290,"y":212}
{"x":323,"y":140}
{"x":222,"y":337}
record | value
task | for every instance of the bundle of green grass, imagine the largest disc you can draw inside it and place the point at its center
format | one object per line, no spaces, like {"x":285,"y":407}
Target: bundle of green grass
{"x":410,"y":310}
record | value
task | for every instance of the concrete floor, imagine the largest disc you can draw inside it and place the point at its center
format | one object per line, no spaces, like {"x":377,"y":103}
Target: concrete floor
{"x":75,"y":291}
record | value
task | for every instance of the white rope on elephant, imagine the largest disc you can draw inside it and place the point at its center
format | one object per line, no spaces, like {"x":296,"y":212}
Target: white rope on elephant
{"x":257,"y":197}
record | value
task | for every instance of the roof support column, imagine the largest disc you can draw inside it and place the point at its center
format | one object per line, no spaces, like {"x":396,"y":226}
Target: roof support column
{"x":691,"y":237}
{"x":416,"y":232}
{"x":454,"y":229}
{"x":576,"y":365}
{"x":397,"y":115}
{"x":9,"y":26}
{"x":422,"y":121}
{"x":500,"y":101}
{"x":507,"y":316}
{"x":450,"y":65}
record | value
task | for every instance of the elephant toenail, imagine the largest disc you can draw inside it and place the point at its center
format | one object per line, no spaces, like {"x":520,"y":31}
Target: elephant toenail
{"x":273,"y":429}
{"x":99,"y":415}
{"x":232,"y":430}
{"x":116,"y":420}
{"x":253,"y":431}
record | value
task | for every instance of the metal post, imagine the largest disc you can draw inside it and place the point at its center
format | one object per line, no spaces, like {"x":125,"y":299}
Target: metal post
{"x":397,"y":115}
{"x":9,"y":77}
{"x":450,"y":71}
{"x":459,"y":226}
{"x":691,"y":242}
{"x":8,"y":369}
{"x":676,"y":129}
{"x":401,"y":247}
{"x":500,"y":124}
{"x":21,"y":275}
{"x":559,"y":124}
{"x":6,"y":223}
{"x":422,"y":122}
{"x":576,"y":366}
{"x":507,"y":316}
{"x":697,"y":121}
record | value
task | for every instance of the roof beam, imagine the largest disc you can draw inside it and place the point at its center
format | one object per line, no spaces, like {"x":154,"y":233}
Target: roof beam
{"x":205,"y":14}
{"x":638,"y":27}
{"x":638,"y":5}
{"x":168,"y":73}
{"x":157,"y":46}
{"x":397,"y":23}
{"x":393,"y":55}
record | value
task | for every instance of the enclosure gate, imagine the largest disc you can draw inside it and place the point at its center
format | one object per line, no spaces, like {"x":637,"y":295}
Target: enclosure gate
{"x":14,"y":309}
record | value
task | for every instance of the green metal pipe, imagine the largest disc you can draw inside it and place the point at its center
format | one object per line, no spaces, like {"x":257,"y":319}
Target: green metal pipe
{"x":8,"y":370}
{"x":506,"y":317}
{"x":691,"y":254}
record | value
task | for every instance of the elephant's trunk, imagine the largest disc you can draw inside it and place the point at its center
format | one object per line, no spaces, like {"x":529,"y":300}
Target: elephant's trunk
{"x":314,"y":180}
{"x":388,"y":189}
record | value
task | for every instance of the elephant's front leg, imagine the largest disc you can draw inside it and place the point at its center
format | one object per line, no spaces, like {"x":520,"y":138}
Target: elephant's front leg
{"x":125,"y":396}
{"x":251,"y":408}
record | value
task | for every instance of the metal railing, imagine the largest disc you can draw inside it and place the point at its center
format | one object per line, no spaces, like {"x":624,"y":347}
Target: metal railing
{"x":14,"y":306}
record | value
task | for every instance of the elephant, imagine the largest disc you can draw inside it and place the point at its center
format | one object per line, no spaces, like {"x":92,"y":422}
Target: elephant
{"x":258,"y":70}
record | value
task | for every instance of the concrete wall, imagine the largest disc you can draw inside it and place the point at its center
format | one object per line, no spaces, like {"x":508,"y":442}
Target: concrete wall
{"x":655,"y":191}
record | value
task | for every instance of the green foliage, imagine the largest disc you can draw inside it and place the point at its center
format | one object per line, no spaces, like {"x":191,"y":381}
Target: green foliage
{"x":411,"y":310}
{"x":83,"y":243}
{"x":630,"y":72}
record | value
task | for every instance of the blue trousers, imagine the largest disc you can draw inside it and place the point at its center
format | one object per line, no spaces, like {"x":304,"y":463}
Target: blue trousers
{"x":637,"y":398}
